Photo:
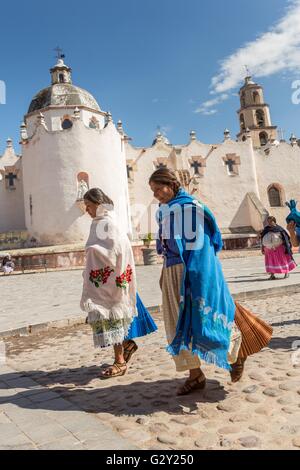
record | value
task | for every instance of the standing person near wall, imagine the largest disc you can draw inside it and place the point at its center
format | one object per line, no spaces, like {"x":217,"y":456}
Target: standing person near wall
{"x":277,"y":248}
{"x":293,"y":223}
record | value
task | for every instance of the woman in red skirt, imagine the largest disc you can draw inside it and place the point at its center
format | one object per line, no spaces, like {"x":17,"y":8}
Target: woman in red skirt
{"x":277,"y":248}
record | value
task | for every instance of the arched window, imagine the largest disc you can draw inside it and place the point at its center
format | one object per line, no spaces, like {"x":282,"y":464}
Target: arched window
{"x":263,"y":138}
{"x":243,"y":99}
{"x":67,"y":123}
{"x":61,"y":78}
{"x":274,"y":196}
{"x":82,"y":185}
{"x":255,"y":97}
{"x":242,"y":122}
{"x":244,"y":138}
{"x":260,"y":118}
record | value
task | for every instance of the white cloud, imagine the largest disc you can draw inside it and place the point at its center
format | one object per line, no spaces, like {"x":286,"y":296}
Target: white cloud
{"x":206,"y":112}
{"x":205,"y":107}
{"x":275,"y":51}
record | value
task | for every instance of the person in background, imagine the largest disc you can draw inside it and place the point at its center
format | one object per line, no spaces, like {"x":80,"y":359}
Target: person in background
{"x":293,"y":223}
{"x":7,"y":264}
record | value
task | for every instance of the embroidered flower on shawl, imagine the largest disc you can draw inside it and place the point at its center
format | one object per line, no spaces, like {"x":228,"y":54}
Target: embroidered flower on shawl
{"x":100,"y":276}
{"x":125,"y":278}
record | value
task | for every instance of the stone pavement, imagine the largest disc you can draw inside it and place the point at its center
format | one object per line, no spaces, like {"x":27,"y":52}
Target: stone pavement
{"x":32,"y":417}
{"x":34,"y":299}
{"x":260,"y":412}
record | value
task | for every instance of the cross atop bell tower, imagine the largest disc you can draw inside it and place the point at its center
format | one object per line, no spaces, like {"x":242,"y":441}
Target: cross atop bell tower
{"x":254,"y":114}
{"x":60,"y":73}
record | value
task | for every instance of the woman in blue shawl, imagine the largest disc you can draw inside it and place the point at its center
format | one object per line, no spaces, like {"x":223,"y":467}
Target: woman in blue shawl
{"x":293,"y":223}
{"x":201,"y":319}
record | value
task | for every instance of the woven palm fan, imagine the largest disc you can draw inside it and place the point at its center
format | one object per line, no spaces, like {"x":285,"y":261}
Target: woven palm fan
{"x":256,"y":334}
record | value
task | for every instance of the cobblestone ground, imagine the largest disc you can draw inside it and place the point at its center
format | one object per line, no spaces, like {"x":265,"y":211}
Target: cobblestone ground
{"x":262,"y":411}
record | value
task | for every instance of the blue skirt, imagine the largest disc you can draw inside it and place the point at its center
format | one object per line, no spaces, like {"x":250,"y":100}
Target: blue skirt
{"x":143,"y":324}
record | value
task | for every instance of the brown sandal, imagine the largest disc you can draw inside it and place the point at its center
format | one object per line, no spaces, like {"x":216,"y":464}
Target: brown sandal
{"x":119,"y":367}
{"x":190,"y":385}
{"x":237,"y":370}
{"x":129,"y":348}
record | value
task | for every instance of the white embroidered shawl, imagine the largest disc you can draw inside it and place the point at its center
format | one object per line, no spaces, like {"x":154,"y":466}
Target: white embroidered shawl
{"x":109,"y":278}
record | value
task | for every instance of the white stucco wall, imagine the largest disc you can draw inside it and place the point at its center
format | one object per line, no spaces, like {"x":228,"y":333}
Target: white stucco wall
{"x":12,"y":203}
{"x":51,"y":163}
{"x":281,"y":166}
{"x":53,"y":118}
{"x":225,"y":195}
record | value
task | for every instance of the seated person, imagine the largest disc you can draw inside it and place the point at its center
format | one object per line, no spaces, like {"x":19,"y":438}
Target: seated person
{"x":7,"y":264}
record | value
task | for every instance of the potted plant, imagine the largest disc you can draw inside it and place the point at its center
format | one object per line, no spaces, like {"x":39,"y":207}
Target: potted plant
{"x":147,"y":240}
{"x":149,"y":253}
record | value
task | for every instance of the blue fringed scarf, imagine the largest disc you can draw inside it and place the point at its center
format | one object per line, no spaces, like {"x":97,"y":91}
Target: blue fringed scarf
{"x":207,"y":309}
{"x":294,"y":215}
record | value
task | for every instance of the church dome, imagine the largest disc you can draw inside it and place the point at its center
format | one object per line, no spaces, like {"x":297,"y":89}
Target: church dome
{"x":62,"y":92}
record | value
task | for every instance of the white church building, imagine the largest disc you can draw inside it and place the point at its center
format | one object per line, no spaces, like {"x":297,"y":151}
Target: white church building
{"x":69,"y":145}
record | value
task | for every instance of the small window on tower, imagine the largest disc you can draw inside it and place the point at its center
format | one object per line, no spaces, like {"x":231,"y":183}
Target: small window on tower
{"x":61,"y":78}
{"x":260,"y":117}
{"x":243,"y":99}
{"x":242,"y":122}
{"x":255,"y":97}
{"x":263,"y":138}
{"x":67,"y":124}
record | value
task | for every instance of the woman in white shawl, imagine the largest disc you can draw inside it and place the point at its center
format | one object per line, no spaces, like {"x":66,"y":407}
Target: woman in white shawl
{"x":109,"y":280}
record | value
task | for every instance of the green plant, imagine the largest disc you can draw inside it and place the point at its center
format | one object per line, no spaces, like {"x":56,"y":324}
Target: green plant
{"x":147,"y":239}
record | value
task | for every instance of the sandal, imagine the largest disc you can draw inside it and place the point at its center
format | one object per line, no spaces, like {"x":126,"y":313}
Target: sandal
{"x":119,"y":367}
{"x":129,"y":348}
{"x":192,"y":384}
{"x":237,"y":370}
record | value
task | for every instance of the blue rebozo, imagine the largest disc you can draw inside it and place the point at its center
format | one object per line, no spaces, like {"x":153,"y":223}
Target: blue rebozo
{"x":143,"y":324}
{"x":294,"y":216}
{"x":206,"y":313}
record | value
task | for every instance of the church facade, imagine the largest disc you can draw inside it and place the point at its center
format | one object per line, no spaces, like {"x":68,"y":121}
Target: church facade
{"x":69,"y":145}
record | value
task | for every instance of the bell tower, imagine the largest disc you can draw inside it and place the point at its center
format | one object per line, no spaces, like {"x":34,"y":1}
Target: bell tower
{"x":254,"y":115}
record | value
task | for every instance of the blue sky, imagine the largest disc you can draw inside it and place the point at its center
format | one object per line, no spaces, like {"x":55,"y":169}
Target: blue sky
{"x":153,"y":62}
